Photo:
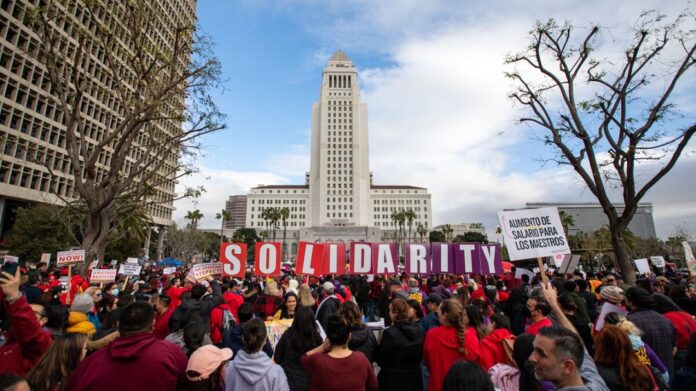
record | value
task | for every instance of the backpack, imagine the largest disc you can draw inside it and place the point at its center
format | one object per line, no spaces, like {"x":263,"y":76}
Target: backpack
{"x":228,"y":321}
{"x":508,"y":345}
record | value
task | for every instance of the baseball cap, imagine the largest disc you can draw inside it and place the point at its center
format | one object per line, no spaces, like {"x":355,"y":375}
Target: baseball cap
{"x":328,"y":286}
{"x":205,"y":360}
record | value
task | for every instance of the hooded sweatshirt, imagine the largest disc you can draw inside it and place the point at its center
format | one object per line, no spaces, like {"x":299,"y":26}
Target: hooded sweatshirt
{"x":135,"y":362}
{"x":440,"y":351}
{"x":492,"y":349}
{"x":399,"y":357}
{"x":363,"y":340}
{"x":255,"y":372}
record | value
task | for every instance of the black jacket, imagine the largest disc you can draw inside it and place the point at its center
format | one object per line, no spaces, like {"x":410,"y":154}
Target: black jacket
{"x":235,"y":341}
{"x":289,"y":359}
{"x":363,"y":340}
{"x":399,"y":357}
{"x":203,"y":307}
{"x":326,"y":309}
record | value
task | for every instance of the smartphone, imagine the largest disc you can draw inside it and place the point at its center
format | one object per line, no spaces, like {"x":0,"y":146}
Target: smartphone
{"x":10,"y":267}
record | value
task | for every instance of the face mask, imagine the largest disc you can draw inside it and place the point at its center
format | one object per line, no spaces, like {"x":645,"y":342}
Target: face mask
{"x":114,"y":292}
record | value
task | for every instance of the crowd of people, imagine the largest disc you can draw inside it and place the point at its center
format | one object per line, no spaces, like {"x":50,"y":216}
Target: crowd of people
{"x":580,"y":331}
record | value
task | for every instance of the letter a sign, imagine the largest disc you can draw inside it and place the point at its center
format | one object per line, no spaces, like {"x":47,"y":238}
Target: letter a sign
{"x":233,"y":259}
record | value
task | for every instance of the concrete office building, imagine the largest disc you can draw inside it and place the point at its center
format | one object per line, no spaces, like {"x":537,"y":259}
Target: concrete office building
{"x":589,"y":217}
{"x":339,"y":201}
{"x":32,"y":135}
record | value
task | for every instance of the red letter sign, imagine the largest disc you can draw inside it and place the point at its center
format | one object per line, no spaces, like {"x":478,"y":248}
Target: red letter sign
{"x":267,"y":256}
{"x":309,"y":259}
{"x":233,"y":259}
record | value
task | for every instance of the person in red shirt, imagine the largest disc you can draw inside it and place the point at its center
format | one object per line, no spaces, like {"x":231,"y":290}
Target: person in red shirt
{"x":448,"y":343}
{"x":493,"y":349}
{"x":164,"y":311}
{"x":537,"y":312}
{"x":233,"y":298}
{"x":334,"y":366}
{"x":174,"y":292}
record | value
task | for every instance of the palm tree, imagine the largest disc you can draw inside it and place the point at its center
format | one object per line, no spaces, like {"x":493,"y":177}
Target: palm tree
{"x":194,"y":217}
{"x":410,"y":215}
{"x":265,"y":215}
{"x":448,"y":231}
{"x":284,"y":214}
{"x":395,"y":219}
{"x":274,"y":217}
{"x":225,"y":216}
{"x":421,"y":231}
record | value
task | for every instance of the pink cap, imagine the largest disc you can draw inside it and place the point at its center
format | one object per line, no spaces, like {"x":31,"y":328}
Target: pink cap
{"x":205,"y":360}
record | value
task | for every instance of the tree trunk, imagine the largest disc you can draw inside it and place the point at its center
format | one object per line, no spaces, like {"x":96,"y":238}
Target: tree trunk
{"x":96,"y":237}
{"x":623,"y":257}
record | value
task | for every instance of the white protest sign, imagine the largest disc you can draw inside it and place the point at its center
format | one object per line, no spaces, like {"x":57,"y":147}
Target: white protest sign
{"x":658,"y":261}
{"x":132,"y":260}
{"x":570,"y":263}
{"x":689,"y":256}
{"x":533,"y":233}
{"x":536,"y":269}
{"x":128,"y":269}
{"x":114,"y":262}
{"x":11,"y":259}
{"x":94,"y":264}
{"x":203,"y":270}
{"x":558,"y":259}
{"x":519,"y":272}
{"x":642,"y":265}
{"x":70,"y":257}
{"x":169,"y":270}
{"x":46,"y":257}
{"x":102,"y":275}
{"x":607,"y":308}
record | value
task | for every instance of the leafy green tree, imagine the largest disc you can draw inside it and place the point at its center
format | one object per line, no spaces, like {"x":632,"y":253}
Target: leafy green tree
{"x":40,"y":229}
{"x":410,"y":216}
{"x":437,"y":237}
{"x":471,"y":237}
{"x":248,"y":236}
{"x":421,"y":231}
{"x":193,"y":216}
{"x":448,"y":232}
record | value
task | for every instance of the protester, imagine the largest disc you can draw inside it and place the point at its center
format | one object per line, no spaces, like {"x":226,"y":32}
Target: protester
{"x":136,"y":360}
{"x":328,"y":304}
{"x":300,"y":338}
{"x":658,"y":332}
{"x":448,"y":343}
{"x":683,"y":322}
{"x":400,"y":351}
{"x":466,"y":376}
{"x":362,"y":339}
{"x":522,"y":349}
{"x":201,"y":302}
{"x":26,"y":341}
{"x":221,"y":319}
{"x":233,"y":297}
{"x":537,"y":311}
{"x":305,"y":298}
{"x":252,"y":369}
{"x":643,"y":351}
{"x":569,"y":308}
{"x":287,"y":309}
{"x":589,"y":298}
{"x":234,"y":339}
{"x":431,"y":319}
{"x":92,"y":315}
{"x":685,"y":378}
{"x":618,"y":364}
{"x":192,"y":337}
{"x":206,"y":369}
{"x":78,"y":320}
{"x":496,"y":347}
{"x":59,"y":361}
{"x":267,"y":305}
{"x":163,"y":313}
{"x":12,"y":382}
{"x":333,"y":366}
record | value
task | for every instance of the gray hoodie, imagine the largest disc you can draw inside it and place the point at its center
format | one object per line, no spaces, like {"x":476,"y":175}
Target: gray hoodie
{"x":254,"y":372}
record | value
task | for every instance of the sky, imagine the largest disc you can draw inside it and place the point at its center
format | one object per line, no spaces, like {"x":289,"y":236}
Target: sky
{"x":432,"y":76}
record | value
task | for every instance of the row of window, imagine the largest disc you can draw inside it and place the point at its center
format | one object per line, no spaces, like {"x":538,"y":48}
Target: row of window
{"x":286,"y":191}
{"x":278,"y":201}
{"x":400,"y":202}
{"x":290,"y":223}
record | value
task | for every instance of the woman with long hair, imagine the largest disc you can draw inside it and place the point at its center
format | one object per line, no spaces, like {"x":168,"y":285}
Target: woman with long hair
{"x":288,"y":308}
{"x":362,"y":339}
{"x":475,"y":321}
{"x":467,"y":376}
{"x":449,"y":342}
{"x":618,"y":364}
{"x":300,"y":338}
{"x":400,"y":351}
{"x":60,"y":360}
{"x":304,"y":295}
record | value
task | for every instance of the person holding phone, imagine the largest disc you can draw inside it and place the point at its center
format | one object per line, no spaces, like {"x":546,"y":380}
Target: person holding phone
{"x":26,"y":341}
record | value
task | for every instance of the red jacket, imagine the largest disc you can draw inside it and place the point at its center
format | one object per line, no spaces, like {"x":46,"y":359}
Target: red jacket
{"x":162,"y":323}
{"x":440,"y":351}
{"x":174,"y":294}
{"x":135,"y":362}
{"x":26,"y":341}
{"x":533,"y":329}
{"x":492,"y":349}
{"x":216,"y":323}
{"x":684,"y":325}
{"x":233,"y":301}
